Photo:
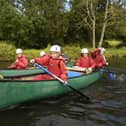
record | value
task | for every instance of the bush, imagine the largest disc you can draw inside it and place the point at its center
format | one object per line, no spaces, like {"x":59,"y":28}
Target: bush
{"x":32,"y":53}
{"x":72,"y":51}
{"x":7,"y":51}
{"x":113,"y":43}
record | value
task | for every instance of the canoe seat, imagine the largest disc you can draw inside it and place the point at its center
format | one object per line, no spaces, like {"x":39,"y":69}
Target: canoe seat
{"x":74,"y":74}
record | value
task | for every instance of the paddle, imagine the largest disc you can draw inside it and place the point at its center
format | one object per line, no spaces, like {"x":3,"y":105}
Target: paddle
{"x":112,"y":74}
{"x":1,"y":77}
{"x":115,"y":75}
{"x":62,"y":81}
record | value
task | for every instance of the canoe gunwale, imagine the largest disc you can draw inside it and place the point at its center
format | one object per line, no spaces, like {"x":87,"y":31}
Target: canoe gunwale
{"x":17,"y":80}
{"x":14,"y":76}
{"x":11,"y":80}
{"x":30,"y":68}
{"x":7,"y":73}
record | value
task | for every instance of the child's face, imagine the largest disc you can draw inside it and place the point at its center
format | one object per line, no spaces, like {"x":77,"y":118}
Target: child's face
{"x":19,"y":55}
{"x":85,"y":54}
{"x":55,"y":54}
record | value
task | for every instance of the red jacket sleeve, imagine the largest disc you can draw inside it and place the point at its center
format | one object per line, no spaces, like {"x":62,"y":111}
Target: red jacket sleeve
{"x":20,"y":63}
{"x":42,"y":60}
{"x":64,"y":75}
{"x":77,"y":62}
{"x":92,"y":63}
{"x":14,"y":65}
{"x":23,"y":63}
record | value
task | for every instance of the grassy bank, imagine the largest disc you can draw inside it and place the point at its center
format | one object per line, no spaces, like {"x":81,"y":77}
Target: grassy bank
{"x":72,"y":51}
{"x":113,"y":52}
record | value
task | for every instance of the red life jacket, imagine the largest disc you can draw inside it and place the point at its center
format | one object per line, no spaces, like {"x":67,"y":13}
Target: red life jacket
{"x":95,"y":53}
{"x":100,"y":61}
{"x":56,"y":66}
{"x":85,"y":62}
{"x":98,"y":58}
{"x":20,"y":63}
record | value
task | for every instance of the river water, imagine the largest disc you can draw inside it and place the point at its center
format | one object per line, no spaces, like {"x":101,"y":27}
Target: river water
{"x":108,"y":107}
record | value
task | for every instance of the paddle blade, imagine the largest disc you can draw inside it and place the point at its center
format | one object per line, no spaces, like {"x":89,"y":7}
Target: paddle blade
{"x":112,"y":76}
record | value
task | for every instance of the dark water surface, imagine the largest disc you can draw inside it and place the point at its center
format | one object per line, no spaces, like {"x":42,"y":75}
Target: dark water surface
{"x":108,"y":107}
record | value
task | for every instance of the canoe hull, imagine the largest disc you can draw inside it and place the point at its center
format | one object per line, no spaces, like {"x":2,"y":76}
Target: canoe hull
{"x":15,"y":92}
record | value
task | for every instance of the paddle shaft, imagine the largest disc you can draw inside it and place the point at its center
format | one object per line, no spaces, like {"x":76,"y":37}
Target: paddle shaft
{"x":62,"y":81}
{"x":107,"y":71}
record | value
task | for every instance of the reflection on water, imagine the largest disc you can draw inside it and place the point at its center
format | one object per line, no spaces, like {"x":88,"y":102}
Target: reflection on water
{"x":108,"y":107}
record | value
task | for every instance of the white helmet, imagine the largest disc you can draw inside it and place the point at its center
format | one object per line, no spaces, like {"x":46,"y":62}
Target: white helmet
{"x":84,"y":50}
{"x":18,"y":51}
{"x":42,"y":53}
{"x":102,"y":49}
{"x":55,"y":48}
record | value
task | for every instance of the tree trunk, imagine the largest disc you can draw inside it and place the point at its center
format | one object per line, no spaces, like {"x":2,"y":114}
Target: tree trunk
{"x":92,"y":18}
{"x":93,"y":32}
{"x":104,"y":25}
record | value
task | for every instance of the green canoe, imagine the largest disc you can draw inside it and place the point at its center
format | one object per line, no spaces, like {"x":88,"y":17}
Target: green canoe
{"x":17,"y":91}
{"x":21,"y":72}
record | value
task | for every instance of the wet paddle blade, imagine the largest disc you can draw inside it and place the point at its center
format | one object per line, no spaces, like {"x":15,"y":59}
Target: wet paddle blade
{"x":112,"y":76}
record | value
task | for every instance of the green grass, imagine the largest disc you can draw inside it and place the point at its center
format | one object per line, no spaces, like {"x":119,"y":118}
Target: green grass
{"x":121,"y":52}
{"x":72,"y":51}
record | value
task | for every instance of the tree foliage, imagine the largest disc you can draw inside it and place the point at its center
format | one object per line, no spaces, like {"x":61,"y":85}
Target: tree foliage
{"x":37,"y":23}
